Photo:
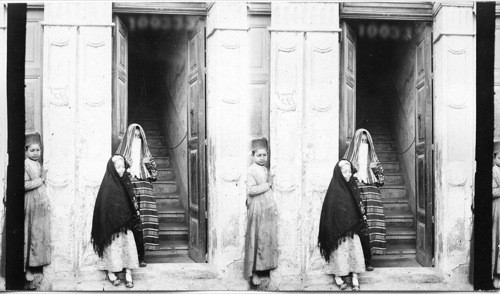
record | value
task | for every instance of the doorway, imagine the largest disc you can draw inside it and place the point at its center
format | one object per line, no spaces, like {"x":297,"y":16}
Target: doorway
{"x":386,"y":88}
{"x":159,"y":83}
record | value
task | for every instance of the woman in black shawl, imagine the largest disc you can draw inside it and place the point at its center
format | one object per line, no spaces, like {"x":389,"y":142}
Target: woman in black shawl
{"x":115,"y":219}
{"x":340,"y":225}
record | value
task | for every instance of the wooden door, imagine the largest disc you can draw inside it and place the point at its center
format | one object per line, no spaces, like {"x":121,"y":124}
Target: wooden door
{"x":33,"y":72}
{"x":423,"y":142}
{"x":197,"y":191}
{"x":347,"y":113}
{"x":120,"y":82}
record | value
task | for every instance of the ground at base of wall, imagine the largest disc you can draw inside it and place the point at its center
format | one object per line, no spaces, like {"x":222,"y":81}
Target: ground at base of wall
{"x":154,"y":277}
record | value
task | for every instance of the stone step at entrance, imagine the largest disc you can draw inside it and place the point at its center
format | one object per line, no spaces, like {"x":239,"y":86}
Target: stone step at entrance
{"x":171,"y":214}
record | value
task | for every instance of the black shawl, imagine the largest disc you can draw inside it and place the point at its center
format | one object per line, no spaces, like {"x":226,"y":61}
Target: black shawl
{"x":114,"y":210}
{"x":341,"y":214}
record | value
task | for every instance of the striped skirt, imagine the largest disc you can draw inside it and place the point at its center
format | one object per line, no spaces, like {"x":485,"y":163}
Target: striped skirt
{"x":372,"y":199}
{"x":143,"y":191}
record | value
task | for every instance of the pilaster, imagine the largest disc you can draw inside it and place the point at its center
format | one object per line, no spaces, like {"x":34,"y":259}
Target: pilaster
{"x":76,"y":125}
{"x":228,"y":131}
{"x":454,"y":136}
{"x":304,"y":127}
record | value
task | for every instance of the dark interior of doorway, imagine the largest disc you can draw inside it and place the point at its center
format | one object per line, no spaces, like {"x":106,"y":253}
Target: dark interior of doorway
{"x":385,"y":107}
{"x":148,"y":101}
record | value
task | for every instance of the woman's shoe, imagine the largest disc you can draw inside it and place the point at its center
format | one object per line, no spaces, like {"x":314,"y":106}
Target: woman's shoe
{"x":113,"y":279}
{"x":143,"y":264}
{"x":340,"y":283}
{"x":355,"y":282}
{"x":369,"y":268}
{"x":356,"y":288}
{"x":128,"y":280}
{"x":256,"y":280}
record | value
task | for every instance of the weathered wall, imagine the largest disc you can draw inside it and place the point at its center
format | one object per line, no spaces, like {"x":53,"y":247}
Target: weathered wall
{"x":497,"y":76}
{"x":173,"y":100}
{"x":454,"y":136}
{"x":304,"y":129}
{"x":3,"y":136}
{"x":228,"y":134}
{"x":76,"y":110}
{"x":403,"y":114}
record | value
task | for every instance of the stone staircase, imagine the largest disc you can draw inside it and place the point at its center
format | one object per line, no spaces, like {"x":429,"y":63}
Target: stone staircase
{"x":171,"y":215}
{"x":401,"y":232}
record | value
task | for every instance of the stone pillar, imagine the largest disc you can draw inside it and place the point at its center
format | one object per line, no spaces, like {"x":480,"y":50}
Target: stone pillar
{"x":454,"y":136}
{"x":3,"y":134}
{"x":76,"y":125}
{"x":304,"y":127}
{"x":228,"y":134}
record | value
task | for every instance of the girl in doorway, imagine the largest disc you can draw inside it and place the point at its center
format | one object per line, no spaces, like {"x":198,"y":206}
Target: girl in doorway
{"x":370,"y":175}
{"x":37,"y":253}
{"x":134,"y":148}
{"x":341,"y":223}
{"x":261,"y":253}
{"x":495,"y":258}
{"x":115,"y":219}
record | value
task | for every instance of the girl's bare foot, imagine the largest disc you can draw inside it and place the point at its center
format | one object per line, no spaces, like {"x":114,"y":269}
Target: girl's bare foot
{"x":29,"y":275}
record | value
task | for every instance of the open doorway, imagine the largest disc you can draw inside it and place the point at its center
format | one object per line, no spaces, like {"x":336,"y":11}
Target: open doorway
{"x":159,"y":83}
{"x":386,"y":88}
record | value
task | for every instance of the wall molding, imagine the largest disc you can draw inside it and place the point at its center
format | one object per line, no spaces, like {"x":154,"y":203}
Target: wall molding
{"x":183,"y":8}
{"x":422,"y":11}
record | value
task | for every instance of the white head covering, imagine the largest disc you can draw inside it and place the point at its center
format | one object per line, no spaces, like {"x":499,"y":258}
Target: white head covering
{"x":363,"y":163}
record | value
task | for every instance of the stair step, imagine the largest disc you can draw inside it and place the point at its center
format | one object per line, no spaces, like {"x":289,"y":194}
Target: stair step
{"x":155,"y":141}
{"x":384,"y":146}
{"x":179,"y":256}
{"x":162,"y":161}
{"x":387,"y":156}
{"x":393,"y":191}
{"x":394,"y":179}
{"x":172,"y":216}
{"x":174,"y":245}
{"x":161,"y":187}
{"x":378,"y":129}
{"x":396,"y":250}
{"x":401,"y":236}
{"x":398,"y":206}
{"x":169,"y":204}
{"x":391,"y":166}
{"x":148,"y":123}
{"x":394,"y":261}
{"x":398,"y":219}
{"x":381,"y":137}
{"x":152,"y":132}
{"x":158,"y":151}
{"x":167,"y":196}
{"x":173,"y":228}
{"x":165,"y":174}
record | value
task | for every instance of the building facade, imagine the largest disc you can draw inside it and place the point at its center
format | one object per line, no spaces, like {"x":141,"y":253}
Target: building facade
{"x":289,"y":71}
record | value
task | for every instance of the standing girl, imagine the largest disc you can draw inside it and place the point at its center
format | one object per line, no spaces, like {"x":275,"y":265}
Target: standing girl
{"x":37,"y":251}
{"x":115,"y":219}
{"x":361,"y":152}
{"x":341,"y":224}
{"x":134,"y":148}
{"x":261,"y":253}
{"x":495,"y":258}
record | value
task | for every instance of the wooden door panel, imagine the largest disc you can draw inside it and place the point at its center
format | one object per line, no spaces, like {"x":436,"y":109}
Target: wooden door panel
{"x":347,"y":113}
{"x":196,"y":144}
{"x":33,"y":71}
{"x":120,"y":83}
{"x":423,"y":146}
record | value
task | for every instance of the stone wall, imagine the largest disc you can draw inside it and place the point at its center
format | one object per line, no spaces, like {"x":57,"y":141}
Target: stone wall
{"x":76,"y":110}
{"x":403,"y":114}
{"x":454,"y":54}
{"x":3,"y":136}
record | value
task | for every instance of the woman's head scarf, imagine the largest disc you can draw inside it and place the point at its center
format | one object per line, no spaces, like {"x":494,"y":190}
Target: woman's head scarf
{"x":352,"y":154}
{"x":125,"y":148}
{"x":341,"y":214}
{"x":114,"y":209}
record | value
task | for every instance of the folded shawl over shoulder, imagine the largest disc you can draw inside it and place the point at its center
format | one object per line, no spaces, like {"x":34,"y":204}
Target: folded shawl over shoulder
{"x":341,"y":215}
{"x":114,"y":210}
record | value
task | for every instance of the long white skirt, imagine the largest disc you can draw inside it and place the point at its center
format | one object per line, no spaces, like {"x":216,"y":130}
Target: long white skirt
{"x":348,"y":258}
{"x":121,"y":253}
